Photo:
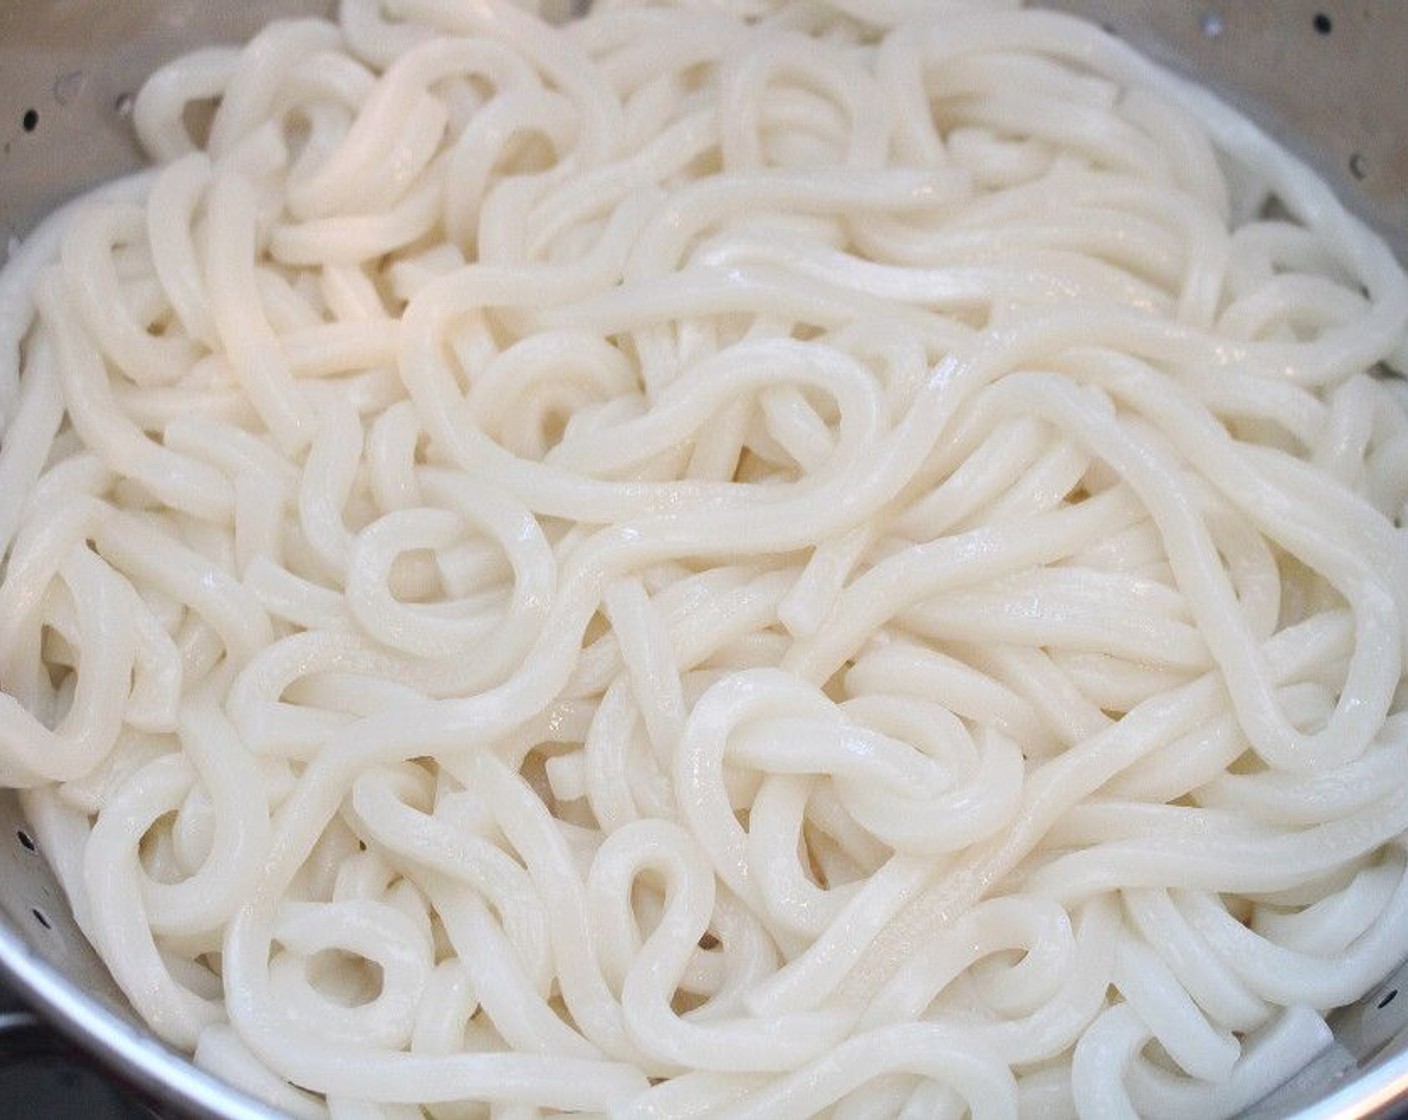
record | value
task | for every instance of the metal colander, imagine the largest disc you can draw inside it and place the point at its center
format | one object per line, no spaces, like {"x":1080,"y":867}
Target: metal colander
{"x":1328,"y":77}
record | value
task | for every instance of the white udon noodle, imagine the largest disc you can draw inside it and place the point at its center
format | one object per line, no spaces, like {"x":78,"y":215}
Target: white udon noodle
{"x":745,"y":559}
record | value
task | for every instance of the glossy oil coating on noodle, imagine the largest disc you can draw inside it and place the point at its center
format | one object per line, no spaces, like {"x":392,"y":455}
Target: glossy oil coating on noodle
{"x":754,"y":558}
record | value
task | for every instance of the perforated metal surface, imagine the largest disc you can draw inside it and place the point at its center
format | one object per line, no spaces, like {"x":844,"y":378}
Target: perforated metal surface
{"x":1326,"y":77}
{"x":45,"y":959}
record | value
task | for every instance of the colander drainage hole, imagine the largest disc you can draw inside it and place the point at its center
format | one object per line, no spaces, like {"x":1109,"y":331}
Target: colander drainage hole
{"x":25,"y":839}
{"x":30,"y":120}
{"x":1388,"y":998}
{"x":41,"y":918}
{"x":1323,"y":23}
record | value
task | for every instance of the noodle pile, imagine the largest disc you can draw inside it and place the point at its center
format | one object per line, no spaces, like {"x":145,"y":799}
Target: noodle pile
{"x":754,"y":559}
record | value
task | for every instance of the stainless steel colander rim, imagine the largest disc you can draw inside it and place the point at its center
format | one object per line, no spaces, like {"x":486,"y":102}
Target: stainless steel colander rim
{"x":172,"y":1079}
{"x":133,"y":1055}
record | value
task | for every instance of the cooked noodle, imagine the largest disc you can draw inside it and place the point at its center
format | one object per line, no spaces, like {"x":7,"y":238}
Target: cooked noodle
{"x":754,"y":558}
